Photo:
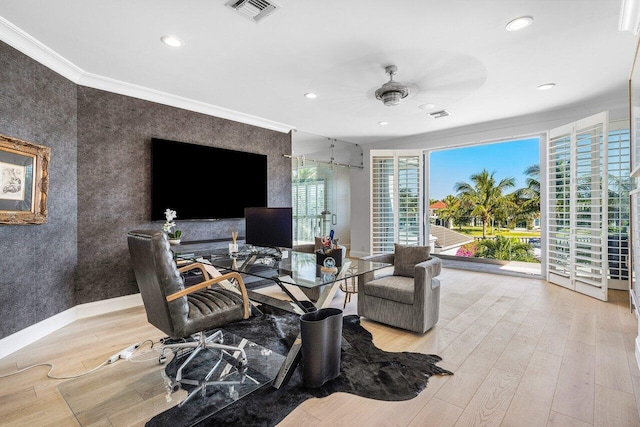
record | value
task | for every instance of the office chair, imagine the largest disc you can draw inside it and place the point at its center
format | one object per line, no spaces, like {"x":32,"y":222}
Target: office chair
{"x":185,"y":314}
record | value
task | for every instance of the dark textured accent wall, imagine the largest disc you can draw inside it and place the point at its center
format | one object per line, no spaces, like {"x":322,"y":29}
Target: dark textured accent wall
{"x":99,"y":186}
{"x":38,"y":261}
{"x":114,"y":147}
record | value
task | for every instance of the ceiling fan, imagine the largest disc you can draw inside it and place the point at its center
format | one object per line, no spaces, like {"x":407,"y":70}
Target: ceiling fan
{"x":432,"y":80}
{"x":392,"y":92}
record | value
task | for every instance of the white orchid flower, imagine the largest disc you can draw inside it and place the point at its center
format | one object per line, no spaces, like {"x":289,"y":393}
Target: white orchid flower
{"x":170,"y":215}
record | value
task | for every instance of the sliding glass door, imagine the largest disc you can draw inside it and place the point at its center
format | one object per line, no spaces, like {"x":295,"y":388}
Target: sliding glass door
{"x":314,"y":200}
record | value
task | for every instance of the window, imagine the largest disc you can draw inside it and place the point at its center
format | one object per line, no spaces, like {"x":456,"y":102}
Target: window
{"x":396,"y":199}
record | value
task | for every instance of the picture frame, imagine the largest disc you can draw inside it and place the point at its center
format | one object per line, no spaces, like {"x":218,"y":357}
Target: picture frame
{"x":24,"y":181}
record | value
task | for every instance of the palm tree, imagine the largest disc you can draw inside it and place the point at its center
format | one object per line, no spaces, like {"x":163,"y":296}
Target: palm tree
{"x":485,"y":195}
{"x":531,"y":193}
{"x":452,"y":212}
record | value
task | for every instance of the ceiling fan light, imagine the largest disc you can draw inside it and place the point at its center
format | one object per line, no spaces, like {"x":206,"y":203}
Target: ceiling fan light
{"x":391,"y":98}
{"x":392,"y":92}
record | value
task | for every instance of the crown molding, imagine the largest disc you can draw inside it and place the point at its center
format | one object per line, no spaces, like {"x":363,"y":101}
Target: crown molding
{"x":116,"y":86}
{"x":39,"y":52}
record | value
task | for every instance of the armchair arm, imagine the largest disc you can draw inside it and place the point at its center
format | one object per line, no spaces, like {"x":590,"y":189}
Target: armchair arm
{"x":424,"y":272}
{"x":433,"y":266}
{"x":387,"y":257}
{"x":208,"y":283}
{"x":197,"y":265}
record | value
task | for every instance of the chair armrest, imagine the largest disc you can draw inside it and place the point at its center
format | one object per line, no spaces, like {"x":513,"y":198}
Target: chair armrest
{"x":208,"y":283}
{"x":387,"y":257}
{"x":433,"y":265}
{"x":424,"y":272}
{"x":199,"y":266}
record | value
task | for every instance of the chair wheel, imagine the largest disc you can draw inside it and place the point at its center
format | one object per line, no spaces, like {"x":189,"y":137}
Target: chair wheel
{"x":162,"y":359}
{"x":242,"y":365}
{"x":175,"y":386}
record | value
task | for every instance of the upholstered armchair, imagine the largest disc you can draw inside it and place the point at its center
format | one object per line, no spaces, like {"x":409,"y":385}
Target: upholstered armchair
{"x":406,"y":295}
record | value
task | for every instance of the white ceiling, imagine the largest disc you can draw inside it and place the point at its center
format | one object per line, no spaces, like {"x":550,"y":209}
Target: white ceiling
{"x":456,"y":52}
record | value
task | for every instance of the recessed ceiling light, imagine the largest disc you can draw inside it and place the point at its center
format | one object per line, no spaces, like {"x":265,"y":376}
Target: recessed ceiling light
{"x":310,"y":95}
{"x":171,"y":41}
{"x":519,"y":23}
{"x":427,"y":106}
{"x":383,"y":123}
{"x":546,"y":86}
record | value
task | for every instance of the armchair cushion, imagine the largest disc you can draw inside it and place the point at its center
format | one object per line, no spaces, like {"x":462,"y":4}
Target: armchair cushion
{"x":394,"y":288}
{"x":407,"y":257}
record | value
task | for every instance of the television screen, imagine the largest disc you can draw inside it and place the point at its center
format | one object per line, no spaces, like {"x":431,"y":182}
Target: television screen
{"x":269,"y":227}
{"x":201,"y":182}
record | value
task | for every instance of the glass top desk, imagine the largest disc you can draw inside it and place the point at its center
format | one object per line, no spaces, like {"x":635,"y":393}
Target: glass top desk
{"x":296,"y":269}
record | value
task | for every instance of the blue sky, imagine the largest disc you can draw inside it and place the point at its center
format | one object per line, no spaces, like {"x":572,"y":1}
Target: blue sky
{"x":506,"y":159}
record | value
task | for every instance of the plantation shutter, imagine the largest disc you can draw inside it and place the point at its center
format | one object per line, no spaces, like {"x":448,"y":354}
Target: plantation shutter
{"x":409,"y":206}
{"x":577,"y":208}
{"x":382,"y":207}
{"x":396,"y":199}
{"x":559,"y":204}
{"x":619,"y":206}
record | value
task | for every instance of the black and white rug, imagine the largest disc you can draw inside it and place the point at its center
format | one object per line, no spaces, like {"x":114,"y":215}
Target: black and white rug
{"x":365,"y":371}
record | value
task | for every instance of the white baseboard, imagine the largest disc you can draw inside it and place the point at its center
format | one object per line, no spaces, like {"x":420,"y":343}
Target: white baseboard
{"x":31,"y":334}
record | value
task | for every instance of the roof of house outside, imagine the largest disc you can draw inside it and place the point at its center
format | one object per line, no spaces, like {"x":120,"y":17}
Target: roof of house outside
{"x":447,"y":239}
{"x":438,"y":205}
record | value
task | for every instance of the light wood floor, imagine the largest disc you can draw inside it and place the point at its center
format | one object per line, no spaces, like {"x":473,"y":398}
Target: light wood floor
{"x":524,"y":353}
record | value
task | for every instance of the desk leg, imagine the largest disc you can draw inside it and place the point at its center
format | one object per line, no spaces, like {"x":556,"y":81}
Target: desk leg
{"x":290,"y":295}
{"x":295,"y":352}
{"x":327,"y":294}
{"x":290,"y":363}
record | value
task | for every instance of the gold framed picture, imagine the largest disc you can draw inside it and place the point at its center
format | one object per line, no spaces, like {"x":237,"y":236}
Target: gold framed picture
{"x":24,"y":181}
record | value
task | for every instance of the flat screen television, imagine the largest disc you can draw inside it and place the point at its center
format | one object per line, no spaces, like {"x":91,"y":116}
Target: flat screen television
{"x":269,"y":227}
{"x":201,"y":182}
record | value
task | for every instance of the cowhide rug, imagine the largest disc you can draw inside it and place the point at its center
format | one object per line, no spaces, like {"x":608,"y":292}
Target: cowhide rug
{"x":365,"y":371}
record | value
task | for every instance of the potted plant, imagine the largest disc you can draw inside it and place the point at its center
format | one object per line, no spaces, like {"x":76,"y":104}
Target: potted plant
{"x":174,"y":236}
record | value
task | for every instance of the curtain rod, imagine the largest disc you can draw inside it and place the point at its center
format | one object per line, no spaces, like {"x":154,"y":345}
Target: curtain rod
{"x":331,"y":162}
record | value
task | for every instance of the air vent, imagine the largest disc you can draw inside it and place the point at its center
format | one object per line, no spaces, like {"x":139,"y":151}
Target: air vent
{"x":439,"y":114}
{"x":256,"y":10}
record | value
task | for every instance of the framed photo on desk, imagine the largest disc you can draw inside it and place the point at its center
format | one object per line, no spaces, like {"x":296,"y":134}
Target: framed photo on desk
{"x":24,"y":181}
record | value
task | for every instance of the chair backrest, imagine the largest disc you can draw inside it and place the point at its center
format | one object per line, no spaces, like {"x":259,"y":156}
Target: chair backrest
{"x":157,"y":276}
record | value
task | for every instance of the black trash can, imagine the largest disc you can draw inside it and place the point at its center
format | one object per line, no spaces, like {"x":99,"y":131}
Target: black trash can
{"x":321,"y":332}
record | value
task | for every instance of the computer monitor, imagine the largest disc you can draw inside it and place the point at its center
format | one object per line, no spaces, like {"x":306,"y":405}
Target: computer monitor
{"x":269,"y":227}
